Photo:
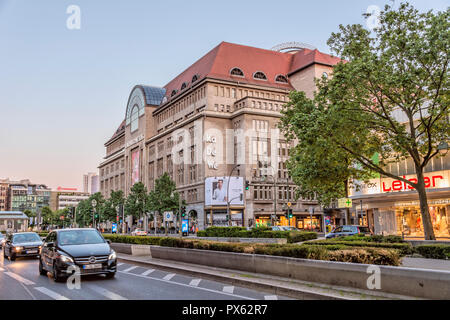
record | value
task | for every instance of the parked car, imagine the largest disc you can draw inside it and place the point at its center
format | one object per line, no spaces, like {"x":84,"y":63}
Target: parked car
{"x":286,"y":228}
{"x":25,"y":244}
{"x":277,"y":228}
{"x":139,"y":232}
{"x":82,"y":248}
{"x":344,"y":231}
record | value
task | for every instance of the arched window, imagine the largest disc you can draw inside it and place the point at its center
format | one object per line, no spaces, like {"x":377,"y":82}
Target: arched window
{"x":259,"y":76}
{"x":183,"y":86}
{"x":194,"y":78}
{"x":281,"y":78}
{"x":174,"y":92}
{"x":134,"y":118}
{"x":237,"y":72}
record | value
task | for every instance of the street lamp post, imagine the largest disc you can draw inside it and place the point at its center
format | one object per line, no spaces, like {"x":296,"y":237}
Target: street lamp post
{"x":94,"y":204}
{"x":228,"y":194}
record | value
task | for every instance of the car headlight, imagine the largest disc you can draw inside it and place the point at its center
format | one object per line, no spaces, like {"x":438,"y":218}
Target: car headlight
{"x":112,"y":256}
{"x":18,"y":249}
{"x":65,"y":258}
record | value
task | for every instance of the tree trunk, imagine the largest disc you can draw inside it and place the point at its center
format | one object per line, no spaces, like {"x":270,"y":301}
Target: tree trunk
{"x":424,"y":210}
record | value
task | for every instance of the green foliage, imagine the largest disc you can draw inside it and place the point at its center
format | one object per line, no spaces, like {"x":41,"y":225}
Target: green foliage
{"x":84,"y":210}
{"x":137,"y":202}
{"x":164,"y":196}
{"x":374,"y":238}
{"x":404,"y":248}
{"x":389,"y":73}
{"x":434,"y":251}
{"x":296,"y":236}
{"x":116,"y":199}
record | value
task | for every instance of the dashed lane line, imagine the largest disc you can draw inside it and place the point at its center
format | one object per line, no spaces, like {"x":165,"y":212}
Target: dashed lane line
{"x":169,"y":276}
{"x":147,"y":272}
{"x":129,"y":269}
{"x":186,"y":285}
{"x":109,"y":294}
{"x":228,"y":289}
{"x":51,"y":294}
{"x":195,"y":282}
{"x":20,"y":279}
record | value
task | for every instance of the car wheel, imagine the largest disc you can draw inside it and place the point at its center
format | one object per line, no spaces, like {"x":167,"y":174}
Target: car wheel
{"x":110,"y":275}
{"x":56,"y":276}
{"x":42,"y":271}
{"x":12,"y":256}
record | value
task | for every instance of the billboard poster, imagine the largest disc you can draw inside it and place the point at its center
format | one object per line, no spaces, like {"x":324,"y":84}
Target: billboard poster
{"x":135,"y":167}
{"x":216,"y":191}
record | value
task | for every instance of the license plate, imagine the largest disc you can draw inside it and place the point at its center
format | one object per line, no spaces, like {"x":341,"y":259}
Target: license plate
{"x":32,"y":251}
{"x":92,"y":266}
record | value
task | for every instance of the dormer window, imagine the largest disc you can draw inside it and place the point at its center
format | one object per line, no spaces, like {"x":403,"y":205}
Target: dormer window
{"x":282,"y":79}
{"x":183,"y":86}
{"x":174,"y":92}
{"x":194,"y":78}
{"x":237,"y":72}
{"x":259,"y":76}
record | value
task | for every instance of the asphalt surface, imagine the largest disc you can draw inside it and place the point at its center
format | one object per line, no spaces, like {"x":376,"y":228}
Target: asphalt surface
{"x":20,"y":280}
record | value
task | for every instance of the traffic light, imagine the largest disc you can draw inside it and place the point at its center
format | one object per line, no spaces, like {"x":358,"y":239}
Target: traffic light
{"x":247,"y":185}
{"x":290,"y":214}
{"x":183,"y":211}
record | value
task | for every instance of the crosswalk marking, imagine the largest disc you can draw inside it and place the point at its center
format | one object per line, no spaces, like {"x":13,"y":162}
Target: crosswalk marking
{"x":129,"y":269}
{"x":195,"y":282}
{"x":228,"y":289}
{"x":147,"y":272}
{"x":51,"y":294}
{"x":270,"y":298}
{"x":169,"y":276}
{"x":20,"y":279}
{"x":109,"y":294}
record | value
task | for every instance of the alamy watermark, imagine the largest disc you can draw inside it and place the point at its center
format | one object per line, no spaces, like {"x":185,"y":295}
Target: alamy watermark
{"x":73,"y":22}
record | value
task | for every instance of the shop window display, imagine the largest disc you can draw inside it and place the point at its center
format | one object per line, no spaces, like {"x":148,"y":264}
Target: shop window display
{"x":409,"y":221}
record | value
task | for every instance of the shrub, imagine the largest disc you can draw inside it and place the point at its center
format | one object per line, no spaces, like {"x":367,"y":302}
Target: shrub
{"x":295,"y":236}
{"x":201,"y":233}
{"x":434,"y":251}
{"x":366,"y":256}
{"x":404,"y":248}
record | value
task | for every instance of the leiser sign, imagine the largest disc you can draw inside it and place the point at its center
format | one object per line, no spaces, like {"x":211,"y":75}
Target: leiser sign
{"x":433,"y":180}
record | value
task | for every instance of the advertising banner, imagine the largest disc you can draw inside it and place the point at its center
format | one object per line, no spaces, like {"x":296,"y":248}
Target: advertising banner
{"x":135,"y":161}
{"x":216,"y":191}
{"x":185,"y":226}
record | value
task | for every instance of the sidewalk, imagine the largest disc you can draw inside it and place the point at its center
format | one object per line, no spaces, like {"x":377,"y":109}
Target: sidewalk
{"x":421,"y":263}
{"x":297,"y":289}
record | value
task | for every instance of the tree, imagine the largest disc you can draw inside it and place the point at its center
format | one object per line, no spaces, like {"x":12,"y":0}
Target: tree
{"x":164,"y":196}
{"x":85,"y":210}
{"x":117,"y":198}
{"x":48,"y":216}
{"x":137,"y":202}
{"x":386,"y":102}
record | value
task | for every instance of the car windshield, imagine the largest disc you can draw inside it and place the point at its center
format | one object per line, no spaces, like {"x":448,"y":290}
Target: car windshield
{"x":26,"y":237}
{"x":76,"y":237}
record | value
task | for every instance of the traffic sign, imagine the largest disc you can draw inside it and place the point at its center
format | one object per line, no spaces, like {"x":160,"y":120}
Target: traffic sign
{"x":168,"y":216}
{"x":289,"y":204}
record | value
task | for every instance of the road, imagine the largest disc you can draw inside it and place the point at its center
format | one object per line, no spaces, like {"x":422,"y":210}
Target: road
{"x":20,"y":280}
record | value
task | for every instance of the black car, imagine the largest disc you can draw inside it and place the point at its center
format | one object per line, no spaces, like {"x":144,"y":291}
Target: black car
{"x":68,"y":250}
{"x":26,"y":244}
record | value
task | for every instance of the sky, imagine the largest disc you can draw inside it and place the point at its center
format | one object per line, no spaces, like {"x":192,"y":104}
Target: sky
{"x":63,"y":92}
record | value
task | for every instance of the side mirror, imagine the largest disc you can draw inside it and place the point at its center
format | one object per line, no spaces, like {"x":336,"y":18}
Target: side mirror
{"x":108,"y":241}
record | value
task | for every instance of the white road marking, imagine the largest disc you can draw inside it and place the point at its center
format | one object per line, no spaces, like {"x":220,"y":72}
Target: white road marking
{"x":129,"y":269}
{"x":20,"y":279}
{"x":146,"y":273}
{"x":169,"y":276}
{"x":270,"y":298}
{"x":51,"y":294}
{"x":195,"y":282}
{"x":228,"y":289}
{"x":120,"y":263}
{"x":186,"y":285}
{"x":1,"y":269}
{"x":109,"y":294}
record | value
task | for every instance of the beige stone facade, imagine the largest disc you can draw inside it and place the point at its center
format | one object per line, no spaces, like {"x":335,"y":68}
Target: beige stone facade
{"x":239,"y":111}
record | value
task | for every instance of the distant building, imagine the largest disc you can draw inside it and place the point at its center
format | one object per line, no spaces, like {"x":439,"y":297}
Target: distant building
{"x":66,"y":197}
{"x":91,"y":183}
{"x":24,"y":195}
{"x":4,"y":195}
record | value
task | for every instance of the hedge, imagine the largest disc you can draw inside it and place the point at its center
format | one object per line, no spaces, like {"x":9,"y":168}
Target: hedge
{"x":404,"y":248}
{"x":434,"y":251}
{"x":374,"y":238}
{"x":261,"y":232}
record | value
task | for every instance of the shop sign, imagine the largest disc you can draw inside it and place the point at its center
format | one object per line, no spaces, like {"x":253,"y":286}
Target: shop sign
{"x":397,"y":185}
{"x":417,"y":203}
{"x":345,"y":203}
